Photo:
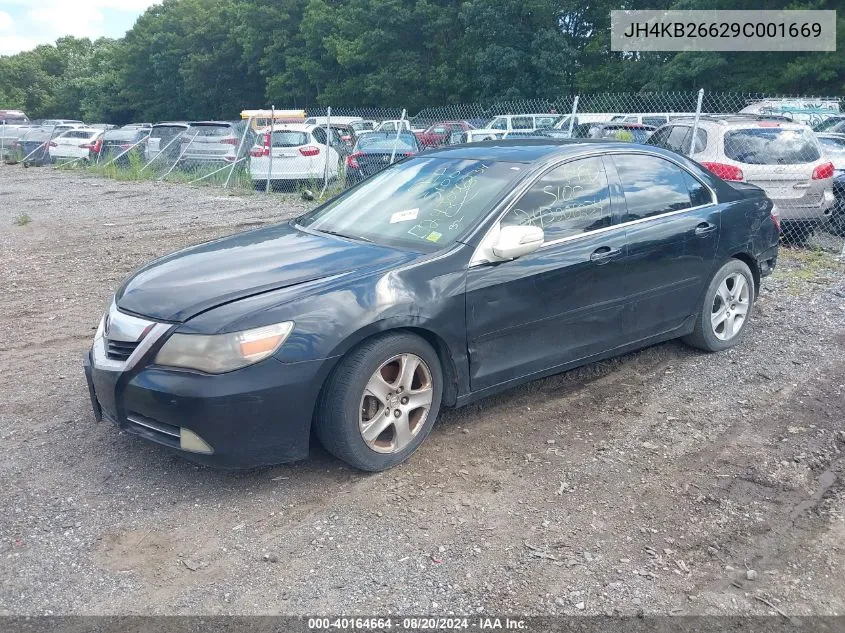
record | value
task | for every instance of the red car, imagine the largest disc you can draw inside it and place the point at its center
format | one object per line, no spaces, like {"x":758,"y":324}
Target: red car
{"x":440,"y":132}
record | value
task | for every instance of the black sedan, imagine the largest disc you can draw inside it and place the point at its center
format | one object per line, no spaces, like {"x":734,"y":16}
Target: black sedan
{"x":449,"y":276}
{"x":376,"y":150}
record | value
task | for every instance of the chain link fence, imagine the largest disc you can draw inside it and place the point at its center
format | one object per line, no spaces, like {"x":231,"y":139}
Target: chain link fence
{"x":792,"y":147}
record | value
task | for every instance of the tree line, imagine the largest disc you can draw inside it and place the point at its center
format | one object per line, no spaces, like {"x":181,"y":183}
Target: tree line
{"x":193,"y":59}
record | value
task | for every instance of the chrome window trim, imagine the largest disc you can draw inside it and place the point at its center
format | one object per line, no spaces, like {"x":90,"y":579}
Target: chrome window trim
{"x":508,"y":203}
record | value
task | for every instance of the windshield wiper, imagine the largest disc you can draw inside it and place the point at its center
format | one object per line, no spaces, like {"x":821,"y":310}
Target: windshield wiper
{"x":349,"y":237}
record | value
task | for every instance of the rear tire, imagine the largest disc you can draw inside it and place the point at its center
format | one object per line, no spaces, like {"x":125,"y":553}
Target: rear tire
{"x":380,"y":402}
{"x":725,"y":310}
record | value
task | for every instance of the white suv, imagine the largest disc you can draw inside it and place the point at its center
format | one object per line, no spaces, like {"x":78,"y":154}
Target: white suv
{"x":783,"y":158}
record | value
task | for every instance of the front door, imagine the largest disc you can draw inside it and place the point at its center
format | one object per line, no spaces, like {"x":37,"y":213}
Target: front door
{"x":560,"y":303}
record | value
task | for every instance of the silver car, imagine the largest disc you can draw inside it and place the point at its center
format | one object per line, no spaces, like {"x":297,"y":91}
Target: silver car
{"x":215,"y":141}
{"x":783,"y":158}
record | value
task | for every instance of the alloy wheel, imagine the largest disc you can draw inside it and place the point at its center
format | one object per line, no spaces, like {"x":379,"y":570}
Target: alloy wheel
{"x":395,"y":403}
{"x":730,"y":306}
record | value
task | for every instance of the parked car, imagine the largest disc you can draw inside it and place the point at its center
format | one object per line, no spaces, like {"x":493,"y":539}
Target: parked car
{"x":120,"y":143}
{"x":375,"y":151}
{"x":215,"y":141}
{"x":361,"y":319}
{"x":782,"y":157}
{"x":394,"y":125}
{"x":441,"y":133}
{"x":128,"y":126}
{"x":363,"y":126}
{"x":34,"y":146}
{"x":76,"y":144}
{"x":13,"y":117}
{"x":166,"y":138}
{"x":833,"y":147}
{"x":61,"y":122}
{"x":654,"y":119}
{"x":837,"y":218}
{"x":333,"y":120}
{"x":300,"y":152}
{"x":502,"y":126}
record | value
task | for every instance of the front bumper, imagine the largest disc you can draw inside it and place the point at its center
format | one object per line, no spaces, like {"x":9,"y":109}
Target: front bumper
{"x":255,"y":416}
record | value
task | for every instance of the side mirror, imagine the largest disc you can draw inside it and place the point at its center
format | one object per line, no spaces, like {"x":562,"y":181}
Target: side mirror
{"x":516,"y":241}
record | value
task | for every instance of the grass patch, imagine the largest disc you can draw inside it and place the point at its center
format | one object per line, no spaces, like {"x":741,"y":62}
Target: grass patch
{"x":22,"y":220}
{"x":801,"y":268}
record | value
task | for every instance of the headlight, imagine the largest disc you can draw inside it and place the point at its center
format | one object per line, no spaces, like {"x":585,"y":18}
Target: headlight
{"x":220,"y":353}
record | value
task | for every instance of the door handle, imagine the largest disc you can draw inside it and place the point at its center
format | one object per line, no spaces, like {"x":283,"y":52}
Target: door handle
{"x":704,"y":229}
{"x":604,"y":254}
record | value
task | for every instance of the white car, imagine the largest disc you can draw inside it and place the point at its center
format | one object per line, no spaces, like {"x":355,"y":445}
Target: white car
{"x":297,"y":152}
{"x":77,"y":144}
{"x":502,"y":126}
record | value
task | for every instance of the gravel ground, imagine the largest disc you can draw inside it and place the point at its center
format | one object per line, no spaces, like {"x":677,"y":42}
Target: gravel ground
{"x":664,"y":482}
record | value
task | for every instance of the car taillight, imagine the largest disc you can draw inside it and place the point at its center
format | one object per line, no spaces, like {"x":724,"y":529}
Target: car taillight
{"x":264,"y":150}
{"x":776,"y":219}
{"x":352,"y":160}
{"x":823,"y":171}
{"x":229,"y":141}
{"x":95,"y":147}
{"x":53,"y":144}
{"x":125,"y":147}
{"x":309,"y":150}
{"x":725,"y":172}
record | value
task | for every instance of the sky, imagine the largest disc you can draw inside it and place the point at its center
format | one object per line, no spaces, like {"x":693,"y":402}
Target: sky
{"x":24,"y":24}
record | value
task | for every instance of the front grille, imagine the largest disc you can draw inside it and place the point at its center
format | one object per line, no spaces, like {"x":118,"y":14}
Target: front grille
{"x":120,"y":350}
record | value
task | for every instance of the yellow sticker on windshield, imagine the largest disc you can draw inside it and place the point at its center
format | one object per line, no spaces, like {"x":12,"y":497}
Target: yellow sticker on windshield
{"x":434,"y":236}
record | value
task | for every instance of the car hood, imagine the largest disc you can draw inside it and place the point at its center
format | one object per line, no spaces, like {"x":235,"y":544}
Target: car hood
{"x":188,"y":282}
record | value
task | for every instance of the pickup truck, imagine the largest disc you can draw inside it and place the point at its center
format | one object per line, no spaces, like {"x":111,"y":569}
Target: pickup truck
{"x":503,"y":125}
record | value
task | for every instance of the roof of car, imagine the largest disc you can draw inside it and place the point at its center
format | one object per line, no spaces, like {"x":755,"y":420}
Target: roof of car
{"x":527,"y":150}
{"x":226,"y":123}
{"x":171,"y":123}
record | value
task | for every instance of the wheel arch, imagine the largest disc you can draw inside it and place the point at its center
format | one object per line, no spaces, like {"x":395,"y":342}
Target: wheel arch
{"x":752,"y":264}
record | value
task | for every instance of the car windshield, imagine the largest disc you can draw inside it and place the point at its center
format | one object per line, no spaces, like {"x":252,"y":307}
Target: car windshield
{"x":771,"y":146}
{"x":422,"y":204}
{"x":166,"y":131}
{"x":833,"y":146}
{"x":386,"y":142}
{"x":289,"y":138}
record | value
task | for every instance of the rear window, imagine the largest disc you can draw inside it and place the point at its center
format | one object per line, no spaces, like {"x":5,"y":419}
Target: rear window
{"x":121,"y":135}
{"x":289,"y":138}
{"x":402,"y":142}
{"x":771,"y":146}
{"x":211,"y":130}
{"x":166,"y":131}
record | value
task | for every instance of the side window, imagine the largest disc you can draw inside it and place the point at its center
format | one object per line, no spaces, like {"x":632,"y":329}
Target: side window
{"x":544,"y":121}
{"x":388,"y":127}
{"x":569,"y":200}
{"x":522,"y":123}
{"x":700,"y":141}
{"x":698,"y":193}
{"x":319,"y":135}
{"x":679,"y":139}
{"x":652,"y":186}
{"x":654,"y":120}
{"x":660,"y":137}
{"x":499,"y":124}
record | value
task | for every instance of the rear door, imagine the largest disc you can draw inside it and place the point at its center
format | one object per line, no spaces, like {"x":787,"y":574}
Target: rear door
{"x":672,"y":232}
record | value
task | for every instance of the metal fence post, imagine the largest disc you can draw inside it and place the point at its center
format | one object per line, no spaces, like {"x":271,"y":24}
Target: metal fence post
{"x":270,"y":148}
{"x":238,"y":155}
{"x":328,"y":150}
{"x":398,"y":132}
{"x":3,"y":141}
{"x":572,"y":116}
{"x":695,"y":122}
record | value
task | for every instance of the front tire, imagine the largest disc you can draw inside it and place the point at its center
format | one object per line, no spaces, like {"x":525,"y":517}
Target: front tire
{"x":726,"y":309}
{"x":380,"y":402}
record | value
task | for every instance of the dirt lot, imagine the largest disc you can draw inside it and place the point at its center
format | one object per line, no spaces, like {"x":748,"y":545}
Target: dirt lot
{"x":665,"y":481}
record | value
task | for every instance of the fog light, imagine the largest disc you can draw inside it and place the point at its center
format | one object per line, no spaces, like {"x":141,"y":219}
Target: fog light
{"x":190,"y":441}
